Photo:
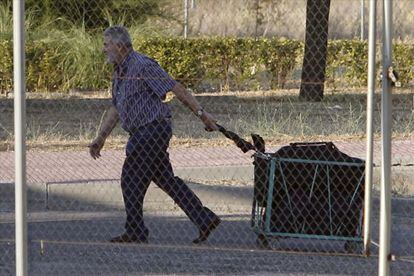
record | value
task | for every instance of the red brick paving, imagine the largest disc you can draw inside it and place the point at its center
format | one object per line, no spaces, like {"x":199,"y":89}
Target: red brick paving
{"x":71,"y":166}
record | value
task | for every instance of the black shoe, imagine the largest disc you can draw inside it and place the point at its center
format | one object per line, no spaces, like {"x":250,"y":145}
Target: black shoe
{"x":126,"y":238}
{"x":205,"y":233}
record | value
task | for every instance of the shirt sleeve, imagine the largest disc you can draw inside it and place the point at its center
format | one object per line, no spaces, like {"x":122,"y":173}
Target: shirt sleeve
{"x":158,"y":80}
{"x":113,"y":89}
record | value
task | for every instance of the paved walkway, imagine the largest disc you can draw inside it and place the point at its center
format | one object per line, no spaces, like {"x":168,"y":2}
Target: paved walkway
{"x":45,"y":167}
{"x":74,"y":246}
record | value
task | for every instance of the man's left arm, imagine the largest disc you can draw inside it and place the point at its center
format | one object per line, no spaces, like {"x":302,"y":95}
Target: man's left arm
{"x":190,"y":101}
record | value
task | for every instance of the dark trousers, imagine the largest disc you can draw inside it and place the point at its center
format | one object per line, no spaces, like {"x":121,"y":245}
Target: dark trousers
{"x":147,"y":160}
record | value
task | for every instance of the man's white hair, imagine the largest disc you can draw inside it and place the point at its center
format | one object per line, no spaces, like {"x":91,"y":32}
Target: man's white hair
{"x":118,"y":35}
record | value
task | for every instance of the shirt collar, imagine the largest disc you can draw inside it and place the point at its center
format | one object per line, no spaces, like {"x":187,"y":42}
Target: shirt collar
{"x":121,"y":69}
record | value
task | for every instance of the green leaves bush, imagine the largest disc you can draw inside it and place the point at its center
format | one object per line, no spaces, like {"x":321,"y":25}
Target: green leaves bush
{"x":403,"y":55}
{"x":74,"y":60}
{"x":347,"y":62}
{"x":6,"y":65}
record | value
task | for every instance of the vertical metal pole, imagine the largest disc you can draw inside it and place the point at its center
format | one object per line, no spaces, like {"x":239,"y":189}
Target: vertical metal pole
{"x":193,"y":4}
{"x":185,"y":18}
{"x":20,"y":134}
{"x":386,"y":126}
{"x":256,"y":26}
{"x":363,"y":18}
{"x":372,"y":39}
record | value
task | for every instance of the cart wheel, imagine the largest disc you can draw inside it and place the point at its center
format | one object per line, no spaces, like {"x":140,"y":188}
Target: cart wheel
{"x":263,"y":242}
{"x":353,"y":247}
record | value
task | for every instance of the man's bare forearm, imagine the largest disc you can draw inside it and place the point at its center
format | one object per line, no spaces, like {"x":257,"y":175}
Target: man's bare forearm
{"x":190,"y":101}
{"x":186,"y":97}
{"x":109,"y":123}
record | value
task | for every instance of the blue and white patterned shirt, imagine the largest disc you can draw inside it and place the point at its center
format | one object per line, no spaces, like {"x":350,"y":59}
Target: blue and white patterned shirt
{"x":139,"y":86}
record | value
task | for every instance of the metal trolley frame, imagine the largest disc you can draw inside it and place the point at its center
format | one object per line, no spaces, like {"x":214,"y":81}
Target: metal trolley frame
{"x":262,"y":203}
{"x":326,"y":203}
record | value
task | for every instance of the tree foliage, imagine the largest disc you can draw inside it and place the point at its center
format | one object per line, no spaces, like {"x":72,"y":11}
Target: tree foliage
{"x":93,"y":14}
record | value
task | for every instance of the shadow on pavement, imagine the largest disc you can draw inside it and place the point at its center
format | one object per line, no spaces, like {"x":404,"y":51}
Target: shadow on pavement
{"x":71,"y":238}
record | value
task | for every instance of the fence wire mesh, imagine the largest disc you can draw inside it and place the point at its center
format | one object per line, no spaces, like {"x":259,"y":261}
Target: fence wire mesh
{"x":288,"y":199}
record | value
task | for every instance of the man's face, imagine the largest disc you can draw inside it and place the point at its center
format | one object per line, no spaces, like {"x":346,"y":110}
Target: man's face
{"x":111,"y":50}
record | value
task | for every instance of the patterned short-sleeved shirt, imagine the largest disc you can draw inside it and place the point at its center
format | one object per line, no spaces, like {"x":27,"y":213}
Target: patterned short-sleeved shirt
{"x":139,"y":86}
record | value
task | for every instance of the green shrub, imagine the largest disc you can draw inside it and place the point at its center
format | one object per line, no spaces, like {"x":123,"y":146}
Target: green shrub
{"x":178,"y":57}
{"x":6,"y":65}
{"x":280,"y":57}
{"x":231,"y":62}
{"x":347,"y":62}
{"x":403,"y":55}
{"x":73,"y":59}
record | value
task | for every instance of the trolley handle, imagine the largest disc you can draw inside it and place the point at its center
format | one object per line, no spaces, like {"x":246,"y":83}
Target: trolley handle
{"x":302,"y":144}
{"x":240,"y":143}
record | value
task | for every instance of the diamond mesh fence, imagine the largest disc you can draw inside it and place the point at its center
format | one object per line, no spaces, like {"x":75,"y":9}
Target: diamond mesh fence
{"x":128,"y":173}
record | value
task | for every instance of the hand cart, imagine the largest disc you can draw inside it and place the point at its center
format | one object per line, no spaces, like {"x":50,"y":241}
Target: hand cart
{"x":306,"y":190}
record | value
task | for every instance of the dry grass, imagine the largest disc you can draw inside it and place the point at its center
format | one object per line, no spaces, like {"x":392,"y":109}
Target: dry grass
{"x":282,"y":18}
{"x":70,"y":122}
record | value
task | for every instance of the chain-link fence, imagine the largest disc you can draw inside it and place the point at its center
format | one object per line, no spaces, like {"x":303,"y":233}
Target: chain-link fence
{"x":288,"y":199}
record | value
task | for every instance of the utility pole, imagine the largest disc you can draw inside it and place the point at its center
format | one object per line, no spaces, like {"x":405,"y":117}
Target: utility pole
{"x":362,"y":20}
{"x":256,"y":27}
{"x":185,"y":18}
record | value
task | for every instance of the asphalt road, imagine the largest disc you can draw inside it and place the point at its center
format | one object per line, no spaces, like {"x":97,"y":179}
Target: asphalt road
{"x":62,"y":243}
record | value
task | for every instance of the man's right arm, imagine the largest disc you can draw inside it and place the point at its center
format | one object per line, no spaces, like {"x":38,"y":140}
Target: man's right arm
{"x":109,"y":123}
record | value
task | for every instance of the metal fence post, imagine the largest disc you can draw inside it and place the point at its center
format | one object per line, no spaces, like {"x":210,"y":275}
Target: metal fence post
{"x":386,"y":125}
{"x":363,"y":18}
{"x":20,"y":136}
{"x":185,"y":18}
{"x":372,"y":38}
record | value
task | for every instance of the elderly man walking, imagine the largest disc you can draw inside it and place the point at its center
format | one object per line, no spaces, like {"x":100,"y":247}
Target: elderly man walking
{"x":139,"y":87}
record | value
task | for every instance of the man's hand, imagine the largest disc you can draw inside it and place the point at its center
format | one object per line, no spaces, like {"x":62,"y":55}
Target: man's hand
{"x":95,"y":147}
{"x":109,"y":122}
{"x":209,"y":121}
